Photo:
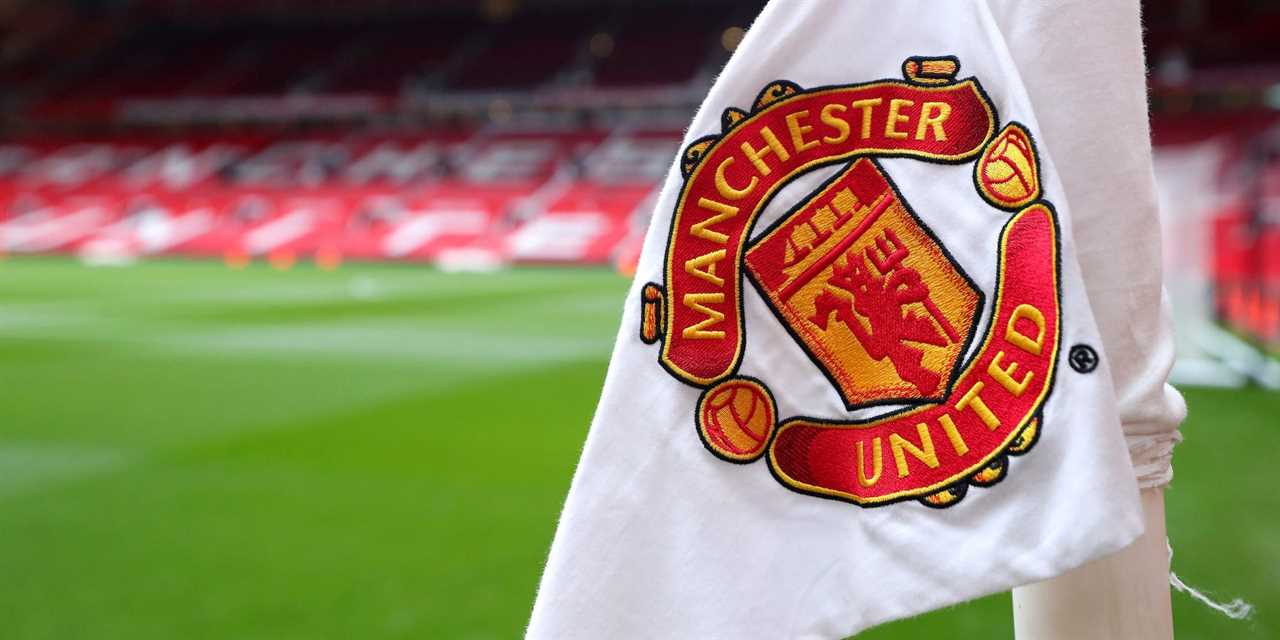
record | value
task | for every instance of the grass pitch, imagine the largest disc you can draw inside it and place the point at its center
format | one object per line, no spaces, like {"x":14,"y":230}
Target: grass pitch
{"x":188,"y":451}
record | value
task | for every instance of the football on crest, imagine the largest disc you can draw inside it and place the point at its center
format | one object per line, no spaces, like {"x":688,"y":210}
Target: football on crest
{"x":1008,"y":175}
{"x":736,"y":418}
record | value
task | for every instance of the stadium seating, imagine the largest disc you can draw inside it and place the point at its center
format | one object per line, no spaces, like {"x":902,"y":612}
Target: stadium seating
{"x":515,"y":196}
{"x":661,"y":47}
{"x":160,"y":57}
{"x":523,"y":132}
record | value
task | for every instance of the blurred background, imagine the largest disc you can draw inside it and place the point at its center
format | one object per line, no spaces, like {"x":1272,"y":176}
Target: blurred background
{"x":305,"y":305}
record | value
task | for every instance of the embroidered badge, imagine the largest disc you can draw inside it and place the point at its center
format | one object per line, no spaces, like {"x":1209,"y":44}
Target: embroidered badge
{"x":868,"y":291}
{"x":866,"y":288}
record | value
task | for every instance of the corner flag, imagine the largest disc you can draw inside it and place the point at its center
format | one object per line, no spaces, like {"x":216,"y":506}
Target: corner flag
{"x":859,"y":375}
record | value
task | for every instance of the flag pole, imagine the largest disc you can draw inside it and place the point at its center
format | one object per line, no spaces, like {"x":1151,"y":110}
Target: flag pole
{"x":1124,"y":595}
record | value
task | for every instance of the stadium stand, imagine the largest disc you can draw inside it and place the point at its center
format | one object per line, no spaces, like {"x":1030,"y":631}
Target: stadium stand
{"x":526,"y":196}
{"x":185,"y":137}
{"x":505,"y":130}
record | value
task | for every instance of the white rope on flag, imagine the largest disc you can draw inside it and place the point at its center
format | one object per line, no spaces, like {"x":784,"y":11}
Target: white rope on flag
{"x":1152,"y":457}
{"x":1236,"y":609}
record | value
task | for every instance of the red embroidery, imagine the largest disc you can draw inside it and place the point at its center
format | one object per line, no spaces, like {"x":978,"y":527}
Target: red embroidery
{"x":868,"y":291}
{"x":736,"y":419}
{"x":997,"y":395}
{"x":731,"y":178}
{"x":865,"y":288}
{"x":1008,"y":173}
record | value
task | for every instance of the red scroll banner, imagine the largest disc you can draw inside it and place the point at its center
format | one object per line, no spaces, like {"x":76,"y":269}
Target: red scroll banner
{"x":737,"y":175}
{"x":925,"y":450}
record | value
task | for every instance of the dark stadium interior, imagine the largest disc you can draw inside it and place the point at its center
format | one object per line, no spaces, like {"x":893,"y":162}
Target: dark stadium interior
{"x":173,"y":50}
{"x":64,"y":63}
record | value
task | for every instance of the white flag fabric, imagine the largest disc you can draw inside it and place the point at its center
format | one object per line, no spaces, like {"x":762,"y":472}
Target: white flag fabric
{"x":860,"y":374}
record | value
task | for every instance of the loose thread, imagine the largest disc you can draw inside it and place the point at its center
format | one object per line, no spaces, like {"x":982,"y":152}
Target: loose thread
{"x":1236,"y":609}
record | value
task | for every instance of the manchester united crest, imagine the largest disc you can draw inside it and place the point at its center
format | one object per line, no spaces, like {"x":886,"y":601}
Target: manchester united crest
{"x":866,"y":289}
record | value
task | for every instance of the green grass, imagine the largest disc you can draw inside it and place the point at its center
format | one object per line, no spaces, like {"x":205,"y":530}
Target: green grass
{"x":188,"y":451}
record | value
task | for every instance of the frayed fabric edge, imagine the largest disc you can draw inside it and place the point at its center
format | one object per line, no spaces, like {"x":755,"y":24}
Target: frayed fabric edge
{"x":1152,"y":457}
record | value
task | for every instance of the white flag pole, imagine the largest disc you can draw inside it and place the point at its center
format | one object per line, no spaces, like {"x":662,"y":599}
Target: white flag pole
{"x":1122,"y":596}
